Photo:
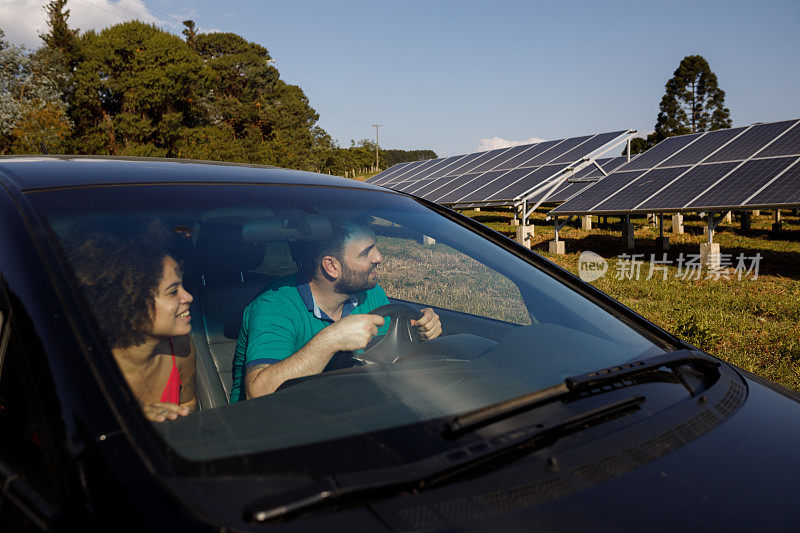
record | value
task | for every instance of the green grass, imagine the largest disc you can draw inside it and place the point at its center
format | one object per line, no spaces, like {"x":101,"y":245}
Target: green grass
{"x":752,"y":323}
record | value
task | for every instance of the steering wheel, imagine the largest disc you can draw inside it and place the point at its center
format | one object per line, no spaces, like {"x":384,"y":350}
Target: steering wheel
{"x":399,"y":340}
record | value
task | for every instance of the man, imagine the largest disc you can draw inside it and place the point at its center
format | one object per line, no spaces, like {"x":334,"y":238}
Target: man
{"x":294,"y":328}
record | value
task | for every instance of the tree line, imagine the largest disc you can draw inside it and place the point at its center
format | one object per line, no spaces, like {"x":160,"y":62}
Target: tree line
{"x":133,"y":89}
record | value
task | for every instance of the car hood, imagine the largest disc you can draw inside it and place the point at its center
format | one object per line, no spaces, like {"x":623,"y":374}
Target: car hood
{"x":740,"y":475}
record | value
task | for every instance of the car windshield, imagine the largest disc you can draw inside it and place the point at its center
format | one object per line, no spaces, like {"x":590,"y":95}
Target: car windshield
{"x":507,"y":326}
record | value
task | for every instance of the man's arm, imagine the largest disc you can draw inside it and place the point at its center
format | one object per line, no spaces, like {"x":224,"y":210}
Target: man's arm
{"x":350,"y":333}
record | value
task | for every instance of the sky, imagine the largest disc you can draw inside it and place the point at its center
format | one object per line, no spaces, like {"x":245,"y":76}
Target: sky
{"x":462,"y":76}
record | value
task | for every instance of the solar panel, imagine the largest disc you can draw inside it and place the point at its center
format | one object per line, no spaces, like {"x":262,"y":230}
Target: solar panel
{"x":637,"y":192}
{"x":591,"y":172}
{"x":786,"y":144}
{"x":529,"y":153}
{"x":483,"y":157}
{"x":481,"y":191}
{"x":465,"y":185}
{"x":384,"y":176}
{"x":410,"y":170}
{"x":587,"y":147}
{"x":565,"y":193}
{"x":427,"y":186}
{"x":688,"y":186}
{"x":514,"y":190}
{"x":784,"y":190}
{"x":599,"y":191}
{"x":554,"y":152}
{"x":713,"y":170}
{"x":503,"y":159}
{"x":743,"y":182}
{"x":493,"y":175}
{"x":447,"y":165}
{"x":661,"y":151}
{"x":411,"y":186}
{"x":703,"y":147}
{"x":750,"y":141}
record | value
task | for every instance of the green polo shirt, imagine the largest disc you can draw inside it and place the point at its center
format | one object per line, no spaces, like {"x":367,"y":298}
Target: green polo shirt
{"x":282,"y":319}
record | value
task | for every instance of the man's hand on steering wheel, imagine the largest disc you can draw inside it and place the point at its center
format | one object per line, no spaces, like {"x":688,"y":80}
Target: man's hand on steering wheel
{"x":428,"y":325}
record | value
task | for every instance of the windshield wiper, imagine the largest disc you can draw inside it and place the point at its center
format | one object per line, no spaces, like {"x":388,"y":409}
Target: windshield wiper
{"x":440,"y":468}
{"x":573,"y":386}
{"x":430,"y":471}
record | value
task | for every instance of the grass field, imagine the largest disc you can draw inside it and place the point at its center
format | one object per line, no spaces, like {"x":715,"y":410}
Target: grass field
{"x":752,"y":323}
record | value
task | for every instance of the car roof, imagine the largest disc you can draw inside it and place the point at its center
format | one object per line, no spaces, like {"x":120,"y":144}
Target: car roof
{"x":30,"y":173}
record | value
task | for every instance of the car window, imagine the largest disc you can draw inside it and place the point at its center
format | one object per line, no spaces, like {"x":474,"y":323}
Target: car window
{"x":418,"y":269}
{"x":507,"y":327}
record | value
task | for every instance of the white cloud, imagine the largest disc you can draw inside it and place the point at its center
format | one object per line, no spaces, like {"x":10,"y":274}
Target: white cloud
{"x":493,"y":143}
{"x":23,"y":20}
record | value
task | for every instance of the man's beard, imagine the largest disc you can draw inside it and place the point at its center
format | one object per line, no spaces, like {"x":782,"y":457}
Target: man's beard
{"x":353,"y":282}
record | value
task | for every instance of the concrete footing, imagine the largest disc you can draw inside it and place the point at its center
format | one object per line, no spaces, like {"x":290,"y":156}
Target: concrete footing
{"x":677,"y":224}
{"x":662,"y":243}
{"x":628,"y":242}
{"x":515,"y":221}
{"x":524,"y":235}
{"x":586,"y":222}
{"x":756,"y":212}
{"x":709,"y":255}
{"x":728,"y":218}
{"x":478,"y":209}
{"x":557,"y":247}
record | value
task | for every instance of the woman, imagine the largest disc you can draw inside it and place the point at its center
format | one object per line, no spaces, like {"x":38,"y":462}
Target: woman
{"x":135,"y":291}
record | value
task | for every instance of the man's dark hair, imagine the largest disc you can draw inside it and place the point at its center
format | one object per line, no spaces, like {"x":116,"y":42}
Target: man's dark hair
{"x":308,"y":254}
{"x":119,"y":279}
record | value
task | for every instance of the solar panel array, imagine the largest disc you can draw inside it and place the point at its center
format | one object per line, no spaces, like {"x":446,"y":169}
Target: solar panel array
{"x":750,"y":167}
{"x":503,"y":176}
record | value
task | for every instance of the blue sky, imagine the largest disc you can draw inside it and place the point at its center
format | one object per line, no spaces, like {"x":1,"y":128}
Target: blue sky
{"x":454,"y":76}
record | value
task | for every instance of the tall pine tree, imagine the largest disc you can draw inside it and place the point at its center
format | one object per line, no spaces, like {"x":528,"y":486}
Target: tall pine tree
{"x":693,"y":101}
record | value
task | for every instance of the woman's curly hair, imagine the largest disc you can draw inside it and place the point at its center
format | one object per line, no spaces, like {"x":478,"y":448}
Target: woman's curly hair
{"x":119,"y":279}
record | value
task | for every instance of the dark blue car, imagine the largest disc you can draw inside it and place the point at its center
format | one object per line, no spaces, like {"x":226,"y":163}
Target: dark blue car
{"x":544,"y":404}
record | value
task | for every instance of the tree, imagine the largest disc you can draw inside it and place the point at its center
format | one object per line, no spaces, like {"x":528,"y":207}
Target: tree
{"x":32,"y":112}
{"x":136,"y":89}
{"x":693,"y":101}
{"x":190,"y":32}
{"x":640,"y":144}
{"x":60,"y":38}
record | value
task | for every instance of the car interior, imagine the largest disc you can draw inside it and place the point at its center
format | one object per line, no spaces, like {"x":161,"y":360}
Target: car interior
{"x":235,"y":257}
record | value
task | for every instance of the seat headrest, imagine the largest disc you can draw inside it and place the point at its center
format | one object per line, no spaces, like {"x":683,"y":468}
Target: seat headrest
{"x":222,"y":254}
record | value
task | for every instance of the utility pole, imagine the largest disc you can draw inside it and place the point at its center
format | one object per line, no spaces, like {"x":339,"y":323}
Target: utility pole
{"x":377,"y":145}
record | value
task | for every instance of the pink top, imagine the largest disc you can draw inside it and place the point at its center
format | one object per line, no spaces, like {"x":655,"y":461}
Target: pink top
{"x":172,"y":391}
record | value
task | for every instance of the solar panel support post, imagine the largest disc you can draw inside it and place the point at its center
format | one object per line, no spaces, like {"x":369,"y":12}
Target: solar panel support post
{"x":557,"y":246}
{"x":628,"y":241}
{"x":628,"y":150}
{"x":662,"y":243}
{"x":745,"y":221}
{"x":709,"y":251}
{"x":525,"y":231}
{"x":776,"y":224}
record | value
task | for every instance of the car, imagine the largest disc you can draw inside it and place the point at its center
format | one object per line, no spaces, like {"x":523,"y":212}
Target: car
{"x":544,"y":405}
